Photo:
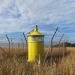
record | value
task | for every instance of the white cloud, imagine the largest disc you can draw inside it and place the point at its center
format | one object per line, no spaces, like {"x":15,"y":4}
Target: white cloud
{"x":21,"y":15}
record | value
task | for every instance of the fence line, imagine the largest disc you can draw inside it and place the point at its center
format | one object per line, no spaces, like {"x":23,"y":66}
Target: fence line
{"x":22,"y":42}
{"x":9,"y":43}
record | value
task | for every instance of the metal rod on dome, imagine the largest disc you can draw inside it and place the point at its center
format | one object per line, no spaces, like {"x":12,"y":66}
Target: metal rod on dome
{"x":36,"y":28}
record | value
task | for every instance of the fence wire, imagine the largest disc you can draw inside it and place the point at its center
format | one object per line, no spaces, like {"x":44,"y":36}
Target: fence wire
{"x":54,"y":44}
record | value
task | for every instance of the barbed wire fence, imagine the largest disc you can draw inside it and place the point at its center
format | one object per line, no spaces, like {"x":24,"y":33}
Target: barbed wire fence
{"x":54,"y":45}
{"x":56,"y":49}
{"x":11,"y":45}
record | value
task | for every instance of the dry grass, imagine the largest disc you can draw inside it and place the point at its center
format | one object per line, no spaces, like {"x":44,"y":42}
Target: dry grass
{"x":17,"y":65}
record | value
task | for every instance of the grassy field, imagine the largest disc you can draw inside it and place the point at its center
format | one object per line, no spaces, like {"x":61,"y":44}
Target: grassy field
{"x":16,"y":63}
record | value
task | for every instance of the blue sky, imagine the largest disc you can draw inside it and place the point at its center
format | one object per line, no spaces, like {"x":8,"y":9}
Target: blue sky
{"x":22,"y":15}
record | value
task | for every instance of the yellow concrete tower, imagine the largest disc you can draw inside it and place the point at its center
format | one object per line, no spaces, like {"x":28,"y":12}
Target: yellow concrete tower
{"x":35,"y":45}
